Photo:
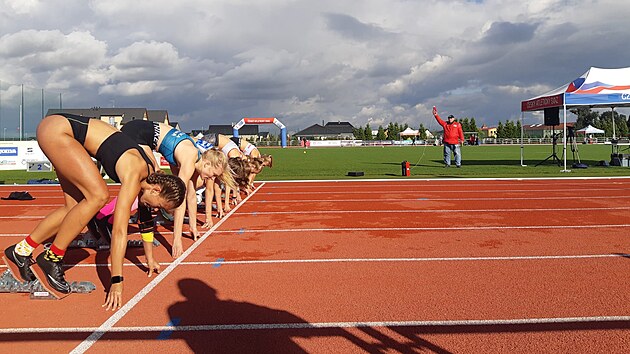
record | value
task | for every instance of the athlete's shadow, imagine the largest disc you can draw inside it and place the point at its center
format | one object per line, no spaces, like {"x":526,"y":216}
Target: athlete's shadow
{"x":241,"y":327}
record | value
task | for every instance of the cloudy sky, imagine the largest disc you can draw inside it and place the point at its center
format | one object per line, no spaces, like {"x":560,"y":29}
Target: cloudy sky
{"x":308,"y":61}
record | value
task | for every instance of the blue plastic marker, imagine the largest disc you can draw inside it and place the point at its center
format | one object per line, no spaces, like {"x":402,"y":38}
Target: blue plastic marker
{"x":164,"y":335}
{"x":217,"y":264}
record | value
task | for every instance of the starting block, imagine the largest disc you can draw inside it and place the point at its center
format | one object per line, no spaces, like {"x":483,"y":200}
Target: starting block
{"x":8,"y":284}
{"x":96,"y":244}
{"x":99,"y":237}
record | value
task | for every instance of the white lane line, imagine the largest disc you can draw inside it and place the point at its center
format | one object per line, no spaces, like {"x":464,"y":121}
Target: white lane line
{"x":432,"y":199}
{"x":367,"y":260}
{"x":455,"y":228}
{"x":440,"y":181}
{"x":385,"y":229}
{"x":449,"y":211}
{"x":315,"y":325}
{"x":454,"y":190}
{"x":375,"y":260}
{"x":389,"y":211}
{"x":118,"y":315}
{"x":130,"y":234}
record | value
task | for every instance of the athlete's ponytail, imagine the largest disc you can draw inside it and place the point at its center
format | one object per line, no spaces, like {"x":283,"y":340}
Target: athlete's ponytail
{"x":218,"y":159}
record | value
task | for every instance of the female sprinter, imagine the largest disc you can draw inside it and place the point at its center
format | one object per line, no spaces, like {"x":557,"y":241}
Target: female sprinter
{"x":256,"y":160}
{"x":186,"y":162}
{"x":68,"y":141}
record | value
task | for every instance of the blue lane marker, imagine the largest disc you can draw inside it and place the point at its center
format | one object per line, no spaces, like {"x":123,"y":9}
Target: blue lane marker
{"x":255,"y":213}
{"x":241,"y":231}
{"x":423,"y":198}
{"x":164,"y":335}
{"x":217,"y":264}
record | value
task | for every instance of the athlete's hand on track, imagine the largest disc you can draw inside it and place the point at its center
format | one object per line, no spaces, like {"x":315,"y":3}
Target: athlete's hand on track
{"x":209,"y":223}
{"x":220,"y":214}
{"x":195,"y":233}
{"x":178,"y":249}
{"x":114,"y":297}
{"x":154,"y":266}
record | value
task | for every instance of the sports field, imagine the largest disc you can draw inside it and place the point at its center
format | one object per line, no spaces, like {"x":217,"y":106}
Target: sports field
{"x":426,"y":162}
{"x":448,"y":265}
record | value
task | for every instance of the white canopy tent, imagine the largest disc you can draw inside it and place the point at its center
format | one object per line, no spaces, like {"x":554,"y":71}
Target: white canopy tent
{"x":409,"y":132}
{"x":595,"y":88}
{"x":590,"y":130}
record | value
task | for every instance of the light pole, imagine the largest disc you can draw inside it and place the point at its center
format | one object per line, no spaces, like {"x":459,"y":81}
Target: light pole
{"x":4,"y":134}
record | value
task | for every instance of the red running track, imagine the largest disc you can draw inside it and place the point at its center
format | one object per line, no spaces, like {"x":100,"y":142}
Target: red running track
{"x":444,"y":266}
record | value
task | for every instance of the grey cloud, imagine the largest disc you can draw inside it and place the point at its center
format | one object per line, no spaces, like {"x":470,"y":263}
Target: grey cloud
{"x":501,"y":33}
{"x":352,"y":28}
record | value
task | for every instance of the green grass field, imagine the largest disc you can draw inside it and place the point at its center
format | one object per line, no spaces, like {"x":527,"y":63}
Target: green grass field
{"x":426,"y":162}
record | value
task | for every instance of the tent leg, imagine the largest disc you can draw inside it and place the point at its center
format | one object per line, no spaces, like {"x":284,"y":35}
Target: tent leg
{"x":564,"y":145}
{"x":522,"y":146}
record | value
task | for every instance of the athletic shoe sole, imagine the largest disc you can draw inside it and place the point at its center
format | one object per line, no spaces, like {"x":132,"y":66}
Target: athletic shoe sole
{"x":41,"y":276}
{"x":13,"y":268}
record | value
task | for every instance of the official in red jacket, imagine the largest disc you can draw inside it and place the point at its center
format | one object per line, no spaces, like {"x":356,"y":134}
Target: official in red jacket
{"x":453,"y":136}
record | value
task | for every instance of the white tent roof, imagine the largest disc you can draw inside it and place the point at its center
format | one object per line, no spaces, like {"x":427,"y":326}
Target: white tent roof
{"x":409,"y":132}
{"x":596,"y":87}
{"x":590,"y":130}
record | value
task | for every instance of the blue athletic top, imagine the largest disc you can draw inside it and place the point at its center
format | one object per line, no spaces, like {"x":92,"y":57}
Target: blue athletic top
{"x":170,"y":142}
{"x":203,"y":145}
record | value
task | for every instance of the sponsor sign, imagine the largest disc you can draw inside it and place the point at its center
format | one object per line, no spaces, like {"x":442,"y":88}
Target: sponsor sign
{"x":8,"y":151}
{"x":542,"y":102}
{"x":16,"y":155}
{"x":259,"y":120}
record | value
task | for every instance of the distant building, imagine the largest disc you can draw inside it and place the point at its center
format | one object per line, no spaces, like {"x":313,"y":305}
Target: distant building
{"x":332,"y":130}
{"x":488,"y":132}
{"x":248,"y":132}
{"x":160,"y":116}
{"x":114,"y":116}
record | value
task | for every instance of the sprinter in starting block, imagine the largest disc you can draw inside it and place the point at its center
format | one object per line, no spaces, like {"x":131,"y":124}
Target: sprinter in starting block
{"x":100,"y":227}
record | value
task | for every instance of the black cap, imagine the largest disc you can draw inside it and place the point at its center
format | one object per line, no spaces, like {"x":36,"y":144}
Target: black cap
{"x":451,"y":116}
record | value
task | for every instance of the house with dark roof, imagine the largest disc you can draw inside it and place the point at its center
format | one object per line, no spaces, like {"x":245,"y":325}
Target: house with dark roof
{"x":332,"y":130}
{"x":248,"y":131}
{"x":114,"y":116}
{"x":160,"y":116}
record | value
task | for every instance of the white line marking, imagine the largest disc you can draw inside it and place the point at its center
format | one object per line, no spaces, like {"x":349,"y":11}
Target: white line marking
{"x":455,"y":228}
{"x":108,"y":325}
{"x":439,"y":180}
{"x":454,"y":190}
{"x":302,"y":325}
{"x":367,"y":260}
{"x":389,"y":211}
{"x":431,"y":199}
{"x":327,"y":211}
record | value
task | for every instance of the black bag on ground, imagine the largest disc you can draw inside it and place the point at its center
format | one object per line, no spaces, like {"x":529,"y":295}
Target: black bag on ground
{"x":19,"y":196}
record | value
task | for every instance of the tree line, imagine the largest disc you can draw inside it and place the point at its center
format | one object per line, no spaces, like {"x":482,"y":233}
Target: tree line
{"x":508,"y":129}
{"x":393,"y":130}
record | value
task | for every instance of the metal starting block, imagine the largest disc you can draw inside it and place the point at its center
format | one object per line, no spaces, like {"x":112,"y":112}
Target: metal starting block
{"x":89,"y":242}
{"x":8,"y":284}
